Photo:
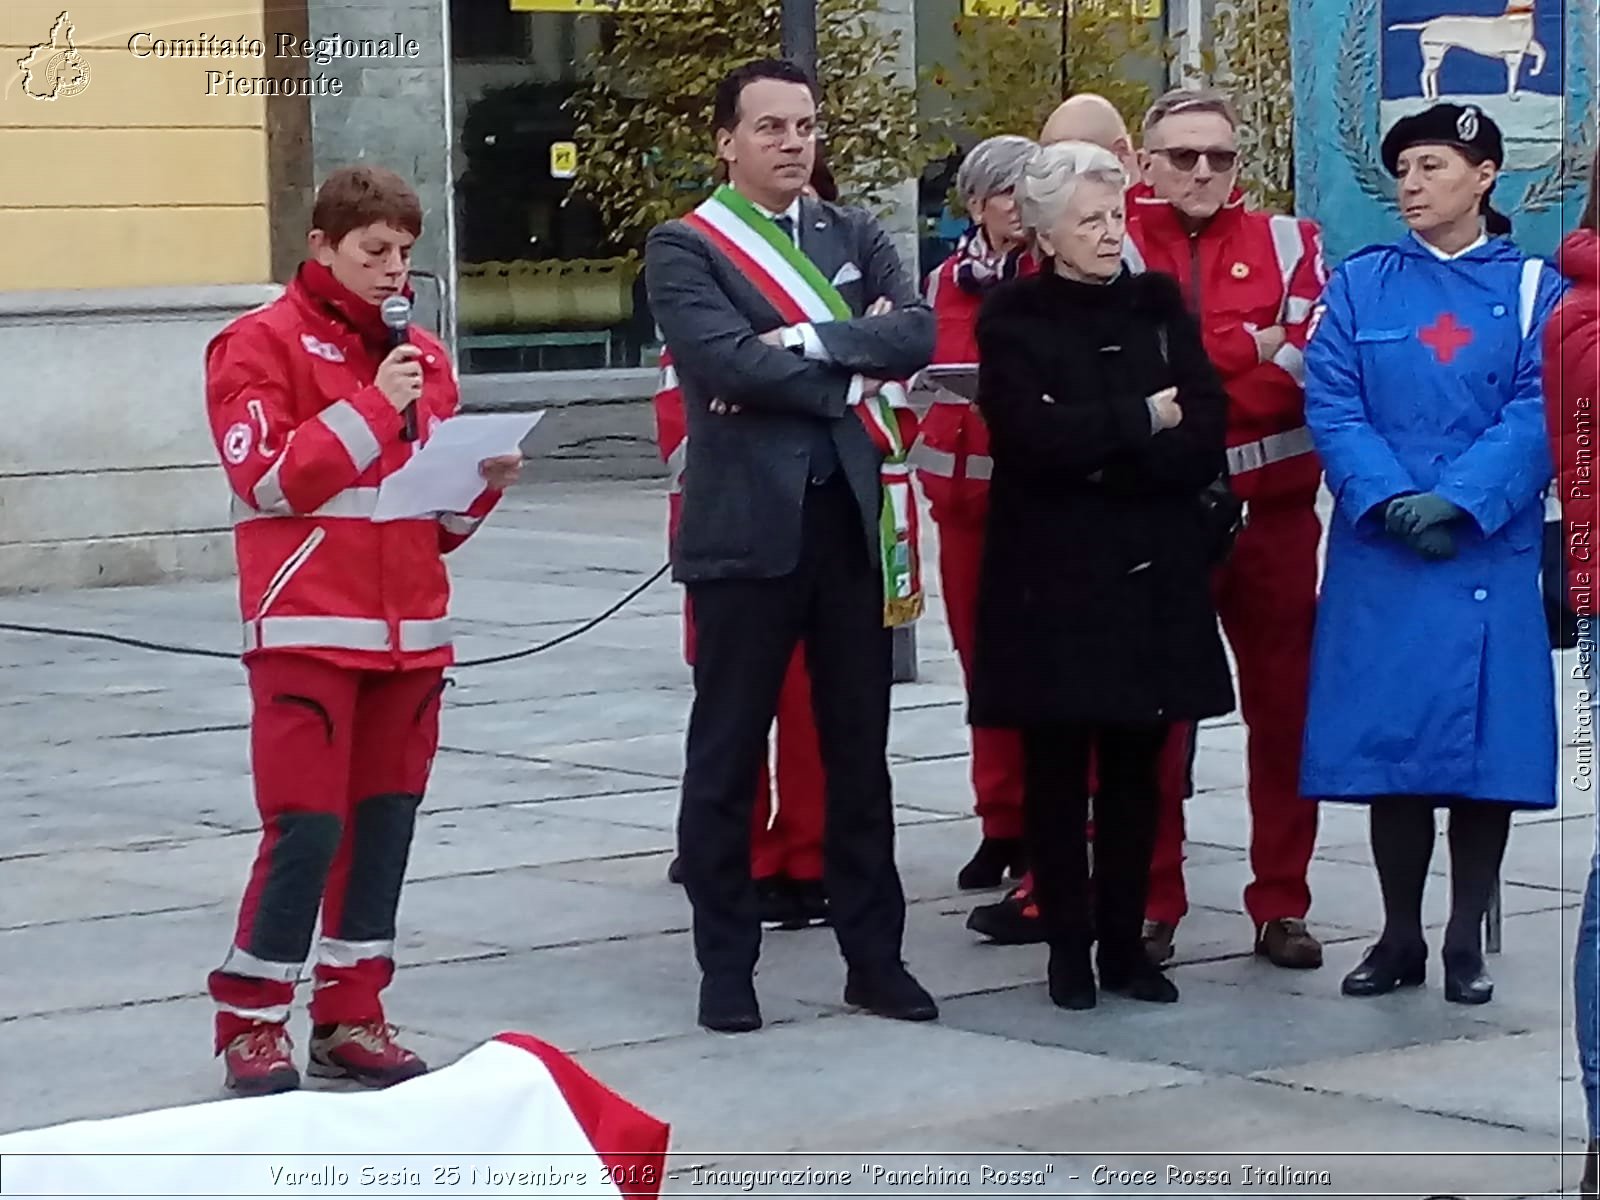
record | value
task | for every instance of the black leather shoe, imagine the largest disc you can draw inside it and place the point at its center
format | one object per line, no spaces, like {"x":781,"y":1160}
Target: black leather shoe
{"x":675,"y":871}
{"x":1589,"y":1186}
{"x":988,"y":866}
{"x":1140,"y":979}
{"x":1383,"y":969}
{"x":1070,"y":977}
{"x":728,"y":1004}
{"x":1465,"y":980}
{"x":889,"y":991}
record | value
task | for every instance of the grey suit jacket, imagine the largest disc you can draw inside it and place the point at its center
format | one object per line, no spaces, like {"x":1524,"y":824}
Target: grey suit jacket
{"x":745,"y":474}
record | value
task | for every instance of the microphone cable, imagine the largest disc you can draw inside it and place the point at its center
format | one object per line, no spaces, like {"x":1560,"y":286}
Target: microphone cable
{"x":197,"y":652}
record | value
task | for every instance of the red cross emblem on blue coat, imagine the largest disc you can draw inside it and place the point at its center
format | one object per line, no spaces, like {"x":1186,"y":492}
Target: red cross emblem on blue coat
{"x":1445,"y":337}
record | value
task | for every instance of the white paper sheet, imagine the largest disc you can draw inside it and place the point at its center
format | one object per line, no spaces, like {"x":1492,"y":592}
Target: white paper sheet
{"x":443,"y":475}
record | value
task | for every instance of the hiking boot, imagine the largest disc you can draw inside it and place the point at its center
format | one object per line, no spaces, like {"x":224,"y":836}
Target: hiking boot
{"x":1013,"y":921}
{"x":1286,"y":942}
{"x":259,"y":1062}
{"x":1158,"y":937}
{"x":365,"y":1052}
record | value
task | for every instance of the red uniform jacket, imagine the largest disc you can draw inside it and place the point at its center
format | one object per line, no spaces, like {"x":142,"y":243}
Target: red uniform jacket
{"x":306,"y":438}
{"x":1247,"y":271}
{"x":952,"y":459}
{"x":1572,"y":394}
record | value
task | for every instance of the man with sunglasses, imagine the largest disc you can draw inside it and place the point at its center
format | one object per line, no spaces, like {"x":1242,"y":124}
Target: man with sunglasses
{"x":1251,"y":278}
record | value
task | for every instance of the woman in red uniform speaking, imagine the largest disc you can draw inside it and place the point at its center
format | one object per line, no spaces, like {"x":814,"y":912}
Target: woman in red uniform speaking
{"x":346,"y":637}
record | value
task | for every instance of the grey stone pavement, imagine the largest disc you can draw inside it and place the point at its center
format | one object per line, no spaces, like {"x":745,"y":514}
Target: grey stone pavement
{"x":538,"y":901}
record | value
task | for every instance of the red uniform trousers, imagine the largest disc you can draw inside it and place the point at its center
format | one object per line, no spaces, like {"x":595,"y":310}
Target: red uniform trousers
{"x":996,"y":753}
{"x":788,"y":842}
{"x":1266,"y":595}
{"x":340,"y":760}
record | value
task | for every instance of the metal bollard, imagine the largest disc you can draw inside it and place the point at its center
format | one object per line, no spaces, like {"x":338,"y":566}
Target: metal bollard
{"x":904,"y":653}
{"x":1491,"y":921}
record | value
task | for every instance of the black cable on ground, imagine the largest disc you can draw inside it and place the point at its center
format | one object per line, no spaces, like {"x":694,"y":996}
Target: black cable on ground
{"x":196,"y":652}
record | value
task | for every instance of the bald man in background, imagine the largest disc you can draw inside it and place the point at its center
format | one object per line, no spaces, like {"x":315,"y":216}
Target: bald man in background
{"x":1014,"y":920}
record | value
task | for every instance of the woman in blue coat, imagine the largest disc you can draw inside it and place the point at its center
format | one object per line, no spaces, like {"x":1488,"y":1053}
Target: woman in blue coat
{"x":1431,"y":678}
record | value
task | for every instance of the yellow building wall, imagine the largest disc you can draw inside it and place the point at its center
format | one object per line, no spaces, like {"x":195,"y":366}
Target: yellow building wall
{"x":140,"y":179}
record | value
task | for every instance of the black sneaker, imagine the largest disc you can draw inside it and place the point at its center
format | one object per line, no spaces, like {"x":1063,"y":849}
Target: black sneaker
{"x":810,"y":903}
{"x":777,"y":904}
{"x":1013,"y":921}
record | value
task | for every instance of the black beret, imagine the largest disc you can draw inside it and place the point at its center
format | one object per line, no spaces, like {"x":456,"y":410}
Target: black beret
{"x":1464,"y":126}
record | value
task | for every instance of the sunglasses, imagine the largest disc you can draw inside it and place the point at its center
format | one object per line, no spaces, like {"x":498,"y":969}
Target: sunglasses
{"x":1186,"y":159}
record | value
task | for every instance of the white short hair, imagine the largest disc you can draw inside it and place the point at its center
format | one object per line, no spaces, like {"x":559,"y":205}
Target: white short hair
{"x":1053,"y":174}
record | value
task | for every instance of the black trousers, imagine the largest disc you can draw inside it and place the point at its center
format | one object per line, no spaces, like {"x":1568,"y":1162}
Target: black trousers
{"x":745,"y":634}
{"x":1403,"y":833}
{"x":1055,"y":806}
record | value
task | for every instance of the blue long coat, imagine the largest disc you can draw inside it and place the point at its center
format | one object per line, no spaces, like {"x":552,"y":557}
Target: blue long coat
{"x":1432,"y":678}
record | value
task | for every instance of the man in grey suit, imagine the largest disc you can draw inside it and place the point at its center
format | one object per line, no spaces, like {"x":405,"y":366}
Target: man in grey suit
{"x":779,"y":537}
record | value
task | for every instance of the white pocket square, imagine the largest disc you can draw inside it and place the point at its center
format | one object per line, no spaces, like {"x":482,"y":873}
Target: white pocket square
{"x":848,"y":273}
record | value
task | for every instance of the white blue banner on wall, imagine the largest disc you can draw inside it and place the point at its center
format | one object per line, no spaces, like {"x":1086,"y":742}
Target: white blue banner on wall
{"x":1361,"y":65}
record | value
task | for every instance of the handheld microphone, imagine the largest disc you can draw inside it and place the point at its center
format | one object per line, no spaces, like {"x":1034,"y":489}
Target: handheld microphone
{"x":396,"y":314}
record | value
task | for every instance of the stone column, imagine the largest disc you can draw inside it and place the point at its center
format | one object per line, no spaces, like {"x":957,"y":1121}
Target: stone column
{"x":395,"y":112}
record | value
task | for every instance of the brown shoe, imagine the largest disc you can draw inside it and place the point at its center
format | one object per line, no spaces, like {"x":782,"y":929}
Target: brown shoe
{"x":1286,"y":942}
{"x":1158,"y":937}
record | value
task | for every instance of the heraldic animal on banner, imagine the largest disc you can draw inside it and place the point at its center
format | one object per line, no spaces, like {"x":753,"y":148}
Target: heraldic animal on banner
{"x":1528,"y":64}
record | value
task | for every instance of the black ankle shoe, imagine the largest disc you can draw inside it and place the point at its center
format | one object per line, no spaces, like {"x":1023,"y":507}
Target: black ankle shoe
{"x":1071,"y":979}
{"x":1589,"y":1186}
{"x":988,"y":866}
{"x":728,"y":1004}
{"x":1465,"y":980}
{"x":889,"y":991}
{"x":1139,"y":979}
{"x":1383,"y":969}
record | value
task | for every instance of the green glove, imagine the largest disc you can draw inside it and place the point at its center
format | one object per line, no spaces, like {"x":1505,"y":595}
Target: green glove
{"x":1416,"y":512}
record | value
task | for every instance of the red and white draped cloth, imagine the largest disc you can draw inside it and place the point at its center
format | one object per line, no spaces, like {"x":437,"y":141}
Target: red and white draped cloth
{"x":793,"y":285}
{"x":514,"y":1117}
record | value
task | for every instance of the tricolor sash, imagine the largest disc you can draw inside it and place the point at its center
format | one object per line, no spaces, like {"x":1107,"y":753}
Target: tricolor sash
{"x":792,"y":284}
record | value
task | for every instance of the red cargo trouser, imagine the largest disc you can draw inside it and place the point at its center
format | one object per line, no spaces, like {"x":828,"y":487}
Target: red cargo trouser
{"x":789,"y":842}
{"x":340,"y":760}
{"x":1266,"y":595}
{"x":996,"y":753}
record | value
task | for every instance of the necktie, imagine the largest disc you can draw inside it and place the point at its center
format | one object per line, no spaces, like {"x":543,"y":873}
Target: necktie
{"x":785,"y":223}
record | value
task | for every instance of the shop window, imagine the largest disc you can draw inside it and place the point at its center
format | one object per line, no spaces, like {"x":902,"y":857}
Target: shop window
{"x":538,"y":286}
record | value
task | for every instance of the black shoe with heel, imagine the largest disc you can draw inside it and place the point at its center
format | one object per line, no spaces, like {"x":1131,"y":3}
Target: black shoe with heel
{"x":1071,"y":978}
{"x":1384,"y":969}
{"x":1465,"y":980}
{"x":988,"y":866}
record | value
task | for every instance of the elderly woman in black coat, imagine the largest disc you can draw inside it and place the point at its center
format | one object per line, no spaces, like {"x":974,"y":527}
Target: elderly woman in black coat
{"x":1095,"y":623}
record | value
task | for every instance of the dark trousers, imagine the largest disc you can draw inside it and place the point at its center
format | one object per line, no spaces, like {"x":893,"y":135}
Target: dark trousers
{"x":745,"y":634}
{"x":1055,"y":807}
{"x":1403,"y":833}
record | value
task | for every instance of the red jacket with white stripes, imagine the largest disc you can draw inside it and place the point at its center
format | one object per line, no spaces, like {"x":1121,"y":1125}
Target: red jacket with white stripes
{"x":952,"y":459}
{"x":1242,"y":272}
{"x":306,"y":438}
